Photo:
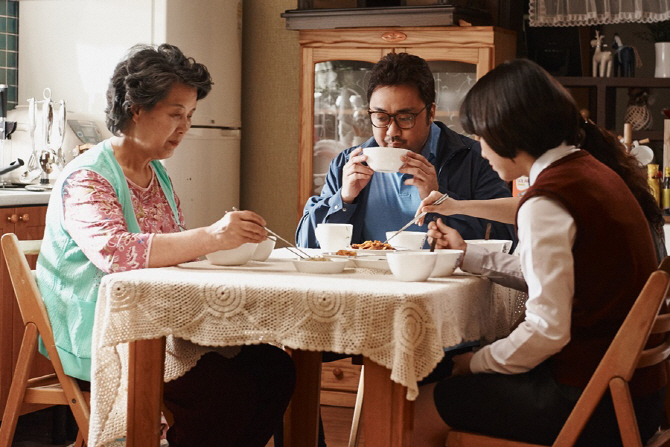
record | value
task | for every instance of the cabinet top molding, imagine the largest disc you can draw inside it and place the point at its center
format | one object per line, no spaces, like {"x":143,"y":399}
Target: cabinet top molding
{"x":432,"y":15}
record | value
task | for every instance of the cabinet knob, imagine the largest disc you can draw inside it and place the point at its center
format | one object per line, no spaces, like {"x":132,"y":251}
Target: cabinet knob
{"x":24,"y":217}
{"x":13,"y":218}
{"x":337,"y":372}
{"x":393,"y":36}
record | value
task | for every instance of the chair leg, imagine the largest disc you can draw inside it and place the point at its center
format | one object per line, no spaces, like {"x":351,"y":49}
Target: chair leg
{"x":625,"y":413}
{"x":18,"y":388}
{"x":80,"y":442}
{"x":355,"y":433}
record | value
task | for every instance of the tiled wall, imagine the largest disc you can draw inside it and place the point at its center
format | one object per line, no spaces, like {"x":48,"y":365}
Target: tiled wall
{"x":9,"y":46}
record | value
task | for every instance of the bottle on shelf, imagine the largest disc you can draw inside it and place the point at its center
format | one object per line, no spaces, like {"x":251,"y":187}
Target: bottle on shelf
{"x":665,"y":205}
{"x":654,"y":184}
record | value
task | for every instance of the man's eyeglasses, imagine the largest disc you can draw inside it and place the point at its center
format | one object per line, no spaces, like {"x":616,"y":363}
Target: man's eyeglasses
{"x":405,"y":120}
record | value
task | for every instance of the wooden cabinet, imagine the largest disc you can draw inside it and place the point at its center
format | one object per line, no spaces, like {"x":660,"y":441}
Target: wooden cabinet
{"x":333,"y":99}
{"x":339,"y":383}
{"x":27,"y":223}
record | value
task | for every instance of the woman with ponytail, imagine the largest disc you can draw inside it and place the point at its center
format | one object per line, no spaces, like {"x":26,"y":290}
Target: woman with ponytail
{"x":585,"y":252}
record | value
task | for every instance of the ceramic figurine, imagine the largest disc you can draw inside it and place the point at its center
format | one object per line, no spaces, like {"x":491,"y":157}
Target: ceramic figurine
{"x":602,"y":60}
{"x":626,"y":58}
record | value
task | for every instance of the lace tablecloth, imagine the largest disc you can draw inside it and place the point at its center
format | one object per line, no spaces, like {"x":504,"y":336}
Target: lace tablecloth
{"x":401,"y":326}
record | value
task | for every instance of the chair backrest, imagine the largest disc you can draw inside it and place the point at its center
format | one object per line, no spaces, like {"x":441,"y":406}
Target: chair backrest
{"x":28,"y":294}
{"x":626,"y":353}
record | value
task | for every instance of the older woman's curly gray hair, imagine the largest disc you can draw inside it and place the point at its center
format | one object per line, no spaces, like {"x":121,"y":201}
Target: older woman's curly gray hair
{"x":145,"y":76}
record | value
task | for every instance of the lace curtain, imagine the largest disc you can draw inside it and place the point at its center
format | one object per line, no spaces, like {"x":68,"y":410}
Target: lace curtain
{"x":596,"y":12}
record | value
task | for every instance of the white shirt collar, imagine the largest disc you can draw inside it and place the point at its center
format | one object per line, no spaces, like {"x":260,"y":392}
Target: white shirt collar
{"x":548,"y":158}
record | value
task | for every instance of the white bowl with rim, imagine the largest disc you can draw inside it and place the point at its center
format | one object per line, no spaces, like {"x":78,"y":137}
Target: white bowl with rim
{"x":264,"y":249}
{"x":411,"y":265}
{"x":496,"y":245}
{"x":320,"y":265}
{"x":447,"y":261}
{"x":407,"y":240}
{"x":234,"y":256}
{"x":384,"y":159}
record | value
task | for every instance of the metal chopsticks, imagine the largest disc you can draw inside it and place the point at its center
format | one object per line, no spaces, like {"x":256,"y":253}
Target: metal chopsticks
{"x":417,"y":217}
{"x":291,"y":247}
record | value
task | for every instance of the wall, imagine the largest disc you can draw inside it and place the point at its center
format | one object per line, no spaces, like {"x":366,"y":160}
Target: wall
{"x":270,"y":114}
{"x":9,"y":30}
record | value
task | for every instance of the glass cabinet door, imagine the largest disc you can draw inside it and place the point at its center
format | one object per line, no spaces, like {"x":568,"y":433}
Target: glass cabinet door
{"x":341,"y":108}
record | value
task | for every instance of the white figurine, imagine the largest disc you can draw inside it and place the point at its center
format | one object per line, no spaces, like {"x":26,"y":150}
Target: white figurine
{"x":602,"y":60}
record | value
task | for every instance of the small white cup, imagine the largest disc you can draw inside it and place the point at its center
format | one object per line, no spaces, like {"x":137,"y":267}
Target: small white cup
{"x":333,"y":236}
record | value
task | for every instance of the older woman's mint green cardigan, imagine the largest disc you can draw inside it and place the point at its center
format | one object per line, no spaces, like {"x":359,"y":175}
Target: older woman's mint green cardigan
{"x":67,"y":279}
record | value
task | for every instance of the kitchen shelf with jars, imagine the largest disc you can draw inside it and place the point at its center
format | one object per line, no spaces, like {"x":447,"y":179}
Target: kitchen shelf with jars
{"x":336,"y":61}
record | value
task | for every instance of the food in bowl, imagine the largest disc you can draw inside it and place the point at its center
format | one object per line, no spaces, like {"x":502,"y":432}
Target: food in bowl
{"x":372,"y":245}
{"x":346,"y":253}
{"x":407,"y":240}
{"x":446,"y":263}
{"x":234,"y":256}
{"x":384,"y":159}
{"x":411,"y":265}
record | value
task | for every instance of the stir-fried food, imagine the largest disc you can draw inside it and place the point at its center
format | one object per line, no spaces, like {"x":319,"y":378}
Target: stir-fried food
{"x":372,"y":245}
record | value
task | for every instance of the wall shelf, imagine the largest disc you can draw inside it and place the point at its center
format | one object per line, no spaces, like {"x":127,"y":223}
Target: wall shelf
{"x":602,"y":94}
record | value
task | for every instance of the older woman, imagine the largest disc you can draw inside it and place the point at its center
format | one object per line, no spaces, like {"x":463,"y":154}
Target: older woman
{"x":113,"y":209}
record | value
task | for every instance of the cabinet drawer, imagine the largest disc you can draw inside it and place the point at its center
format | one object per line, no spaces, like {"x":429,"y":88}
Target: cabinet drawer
{"x":340,"y":375}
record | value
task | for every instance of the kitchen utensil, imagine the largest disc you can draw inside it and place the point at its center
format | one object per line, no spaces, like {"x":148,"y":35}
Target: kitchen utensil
{"x":408,"y":240}
{"x":10,"y":167}
{"x":291,"y":247}
{"x":417,"y":217}
{"x":32,"y":125}
{"x":333,"y":236}
{"x":412,"y":265}
{"x":62,"y":114}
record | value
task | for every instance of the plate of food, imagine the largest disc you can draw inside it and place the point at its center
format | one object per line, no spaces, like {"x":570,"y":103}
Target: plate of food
{"x":371,"y":248}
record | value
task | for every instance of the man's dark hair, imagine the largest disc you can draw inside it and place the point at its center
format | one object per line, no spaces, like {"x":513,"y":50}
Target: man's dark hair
{"x":403,"y":69}
{"x":144,"y":78}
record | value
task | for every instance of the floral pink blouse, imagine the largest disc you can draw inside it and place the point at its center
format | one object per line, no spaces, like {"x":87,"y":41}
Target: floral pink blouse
{"x":94,"y":219}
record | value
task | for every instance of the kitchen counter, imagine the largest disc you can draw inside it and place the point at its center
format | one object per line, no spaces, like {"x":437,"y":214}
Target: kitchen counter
{"x":21,"y":197}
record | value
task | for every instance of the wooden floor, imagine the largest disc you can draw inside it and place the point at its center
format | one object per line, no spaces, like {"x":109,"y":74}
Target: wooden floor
{"x":336,"y":425}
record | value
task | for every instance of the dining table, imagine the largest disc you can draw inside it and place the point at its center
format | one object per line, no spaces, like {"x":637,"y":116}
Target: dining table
{"x":152,"y":325}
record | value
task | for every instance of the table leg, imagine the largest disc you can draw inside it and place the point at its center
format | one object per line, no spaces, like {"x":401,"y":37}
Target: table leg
{"x":301,"y":421}
{"x":388,"y":417}
{"x":146,"y":360}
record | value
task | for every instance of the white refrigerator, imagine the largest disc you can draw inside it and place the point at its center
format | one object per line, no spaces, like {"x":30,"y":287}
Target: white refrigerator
{"x":72,"y":47}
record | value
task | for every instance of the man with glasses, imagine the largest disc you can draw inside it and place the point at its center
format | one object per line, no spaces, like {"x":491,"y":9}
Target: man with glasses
{"x":401,"y":95}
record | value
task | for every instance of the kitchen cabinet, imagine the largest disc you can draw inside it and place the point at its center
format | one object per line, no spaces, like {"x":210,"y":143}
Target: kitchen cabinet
{"x":339,"y":383}
{"x":599,"y":96}
{"x":333,"y":98}
{"x":27,"y":222}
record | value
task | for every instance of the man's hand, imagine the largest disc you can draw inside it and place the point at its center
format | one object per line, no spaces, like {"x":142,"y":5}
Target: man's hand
{"x":355,"y":175}
{"x":425,"y":177}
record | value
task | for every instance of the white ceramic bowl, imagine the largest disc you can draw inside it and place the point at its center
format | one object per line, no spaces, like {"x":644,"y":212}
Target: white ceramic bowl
{"x":384,"y":159}
{"x":499,"y":245}
{"x":330,"y":265}
{"x":264,"y":249}
{"x":409,"y":240}
{"x":411,"y":265}
{"x":234,"y":256}
{"x":447,"y":261}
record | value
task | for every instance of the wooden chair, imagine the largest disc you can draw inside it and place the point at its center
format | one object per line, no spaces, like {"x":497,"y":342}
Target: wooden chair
{"x":626,"y":353}
{"x":53,"y":389}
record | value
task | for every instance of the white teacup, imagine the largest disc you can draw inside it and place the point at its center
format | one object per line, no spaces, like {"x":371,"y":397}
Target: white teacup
{"x":333,"y":236}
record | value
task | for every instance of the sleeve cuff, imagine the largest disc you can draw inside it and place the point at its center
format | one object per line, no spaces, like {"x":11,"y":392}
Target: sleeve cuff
{"x":473,"y":261}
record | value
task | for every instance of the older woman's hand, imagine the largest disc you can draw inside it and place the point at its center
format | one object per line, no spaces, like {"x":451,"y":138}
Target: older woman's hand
{"x":238,"y":227}
{"x":446,"y":237}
